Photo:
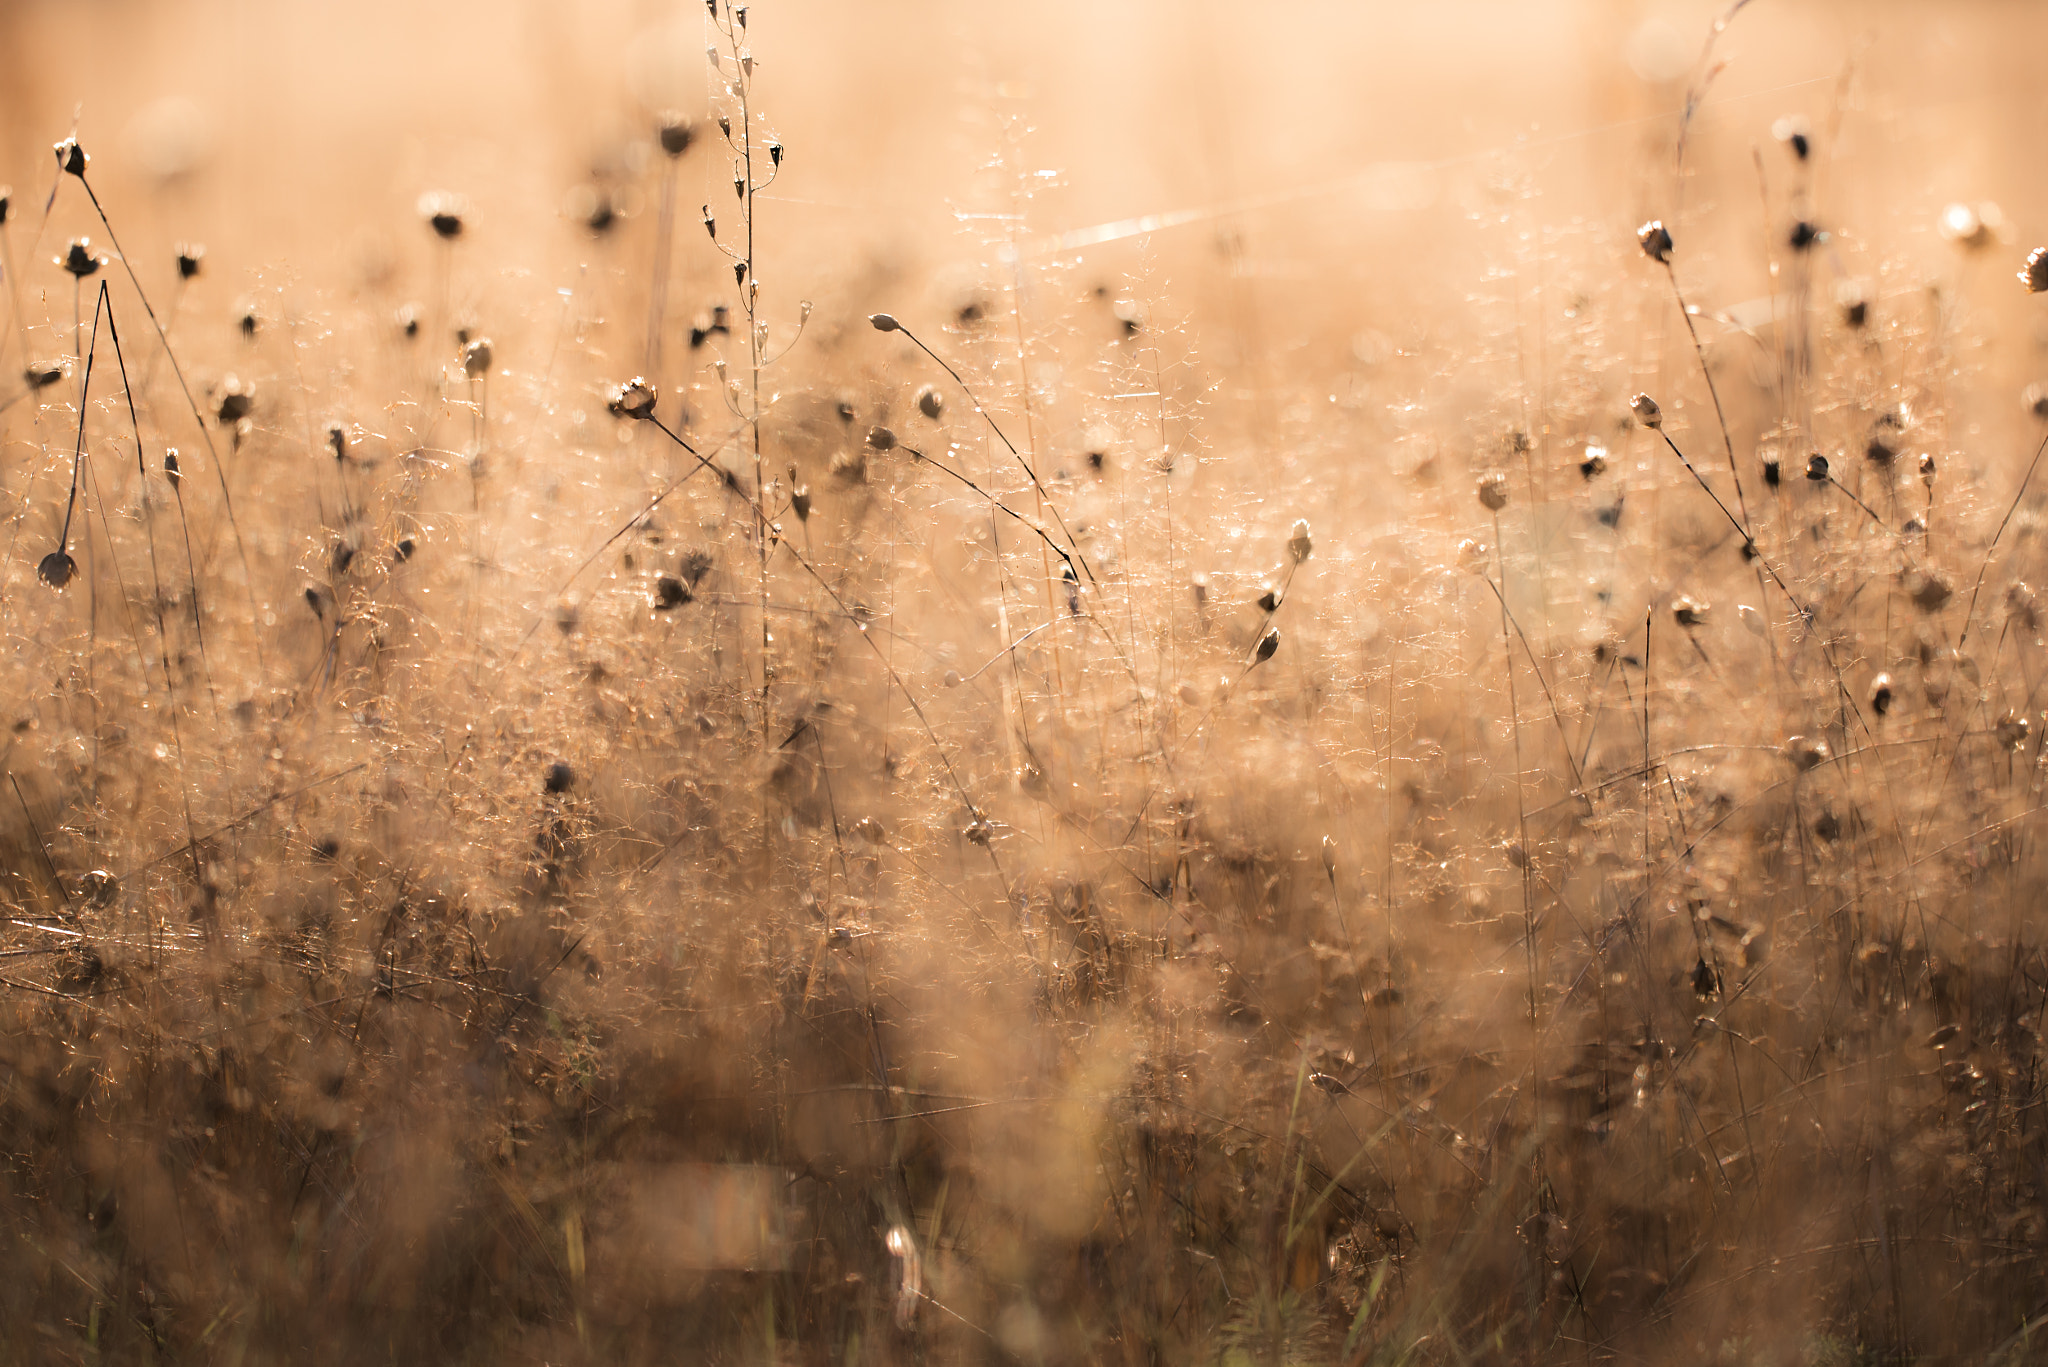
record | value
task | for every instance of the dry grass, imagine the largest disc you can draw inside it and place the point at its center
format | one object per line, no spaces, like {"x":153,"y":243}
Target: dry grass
{"x":829,"y":873}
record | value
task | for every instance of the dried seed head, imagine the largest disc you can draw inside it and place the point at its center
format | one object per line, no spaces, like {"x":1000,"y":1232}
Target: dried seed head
{"x":560,"y":778}
{"x":1268,"y":643}
{"x":1646,"y":411}
{"x":2035,"y":274}
{"x":881,"y":438}
{"x":43,"y":374}
{"x":191,"y":255}
{"x":1806,"y":752}
{"x":443,"y":212}
{"x":1493,"y":490}
{"x":1881,"y":694}
{"x":1269,"y":601}
{"x":71,"y":158}
{"x":1688,"y":612}
{"x":2034,"y":398}
{"x":774,"y":152}
{"x":337,"y":439}
{"x":978,"y":831}
{"x":633,"y":399}
{"x":408,"y":319}
{"x":1817,"y":468}
{"x":1705,"y":982}
{"x":870,"y":830}
{"x":1961,"y":224}
{"x":1330,"y":858}
{"x":1300,"y":545}
{"x":1473,"y":555}
{"x":171,"y":470}
{"x":6,"y":202}
{"x":1655,"y":239}
{"x":56,"y":569}
{"x":1595,"y":463}
{"x":402,"y":552}
{"x":670,"y":592}
{"x":1855,"y":307}
{"x":1927,"y":468}
{"x":476,"y":358}
{"x":800,"y":502}
{"x":236,"y":399}
{"x":2023,"y":607}
{"x":1774,"y":474}
{"x":1791,"y":130}
{"x":248,"y":322}
{"x":79,"y":260}
{"x":2013,"y":729}
{"x":930,"y":402}
{"x":1804,"y":235}
{"x":99,"y":888}
{"x":1200,"y":584}
{"x":675,"y":133}
{"x":1928,"y":590}
{"x":882,"y":322}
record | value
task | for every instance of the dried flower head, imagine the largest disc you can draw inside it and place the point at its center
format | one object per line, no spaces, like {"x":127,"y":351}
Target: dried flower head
{"x":1268,"y":643}
{"x":1882,"y":691}
{"x":79,"y":260}
{"x":1595,"y":463}
{"x":633,"y":399}
{"x":1646,"y":411}
{"x":443,"y":212}
{"x":56,"y":569}
{"x":930,"y":402}
{"x":560,"y":778}
{"x":1689,"y":612}
{"x":1928,"y":590}
{"x":476,"y":358}
{"x":1655,"y":240}
{"x":2035,"y":274}
{"x":881,"y":438}
{"x":1806,"y":752}
{"x":71,"y":158}
{"x":6,"y":202}
{"x":1817,"y":468}
{"x":1493,"y":490}
{"x":800,"y":502}
{"x":1792,"y":131}
{"x":2013,"y":730}
{"x":675,"y":133}
{"x":1299,"y":544}
{"x":191,"y":255}
{"x":882,"y":322}
{"x":670,"y":592}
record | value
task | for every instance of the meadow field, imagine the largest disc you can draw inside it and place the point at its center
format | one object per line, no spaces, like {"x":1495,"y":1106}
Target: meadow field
{"x":1135,"y":683}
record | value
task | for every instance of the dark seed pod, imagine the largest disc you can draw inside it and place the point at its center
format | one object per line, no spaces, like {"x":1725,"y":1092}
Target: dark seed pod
{"x":1827,"y":826}
{"x":6,"y":202}
{"x":235,"y":402}
{"x":171,"y":470}
{"x":1927,"y":468}
{"x":2023,"y":606}
{"x":1268,"y":644}
{"x":1773,"y":475}
{"x":1928,"y":590}
{"x":402,"y":552}
{"x":633,"y":399}
{"x":1705,"y":983}
{"x":1269,"y":601}
{"x":191,"y":255}
{"x":739,"y":273}
{"x":337,"y":440}
{"x":57,"y":569}
{"x":1327,"y":1085}
{"x":710,"y":223}
{"x":881,"y":438}
{"x":1655,"y":240}
{"x":1689,"y":613}
{"x":71,"y":158}
{"x":1856,"y":311}
{"x":317,"y":599}
{"x":676,"y":133}
{"x":930,"y":402}
{"x":1880,"y":451}
{"x":558,"y":779}
{"x":1817,"y":468}
{"x":99,"y":889}
{"x":1493,"y":491}
{"x":1806,"y":752}
{"x":408,"y":319}
{"x":882,"y":322}
{"x":1881,"y":694}
{"x":43,"y":374}
{"x":342,"y":557}
{"x":2013,"y":729}
{"x":248,"y":322}
{"x":800,"y":502}
{"x":1595,"y":463}
{"x":443,"y":212}
{"x":670,"y":592}
{"x":774,"y":152}
{"x":1804,"y":235}
{"x":1300,"y":545}
{"x":79,"y":260}
{"x":476,"y":358}
{"x":2035,"y":275}
{"x":1646,"y":411}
